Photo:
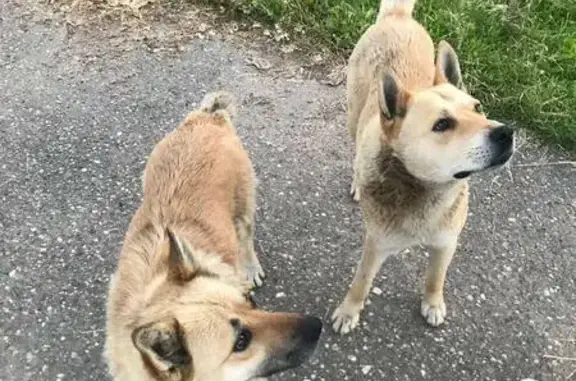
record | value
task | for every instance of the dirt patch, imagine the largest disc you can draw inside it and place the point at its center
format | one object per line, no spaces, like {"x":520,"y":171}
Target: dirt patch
{"x":165,"y":27}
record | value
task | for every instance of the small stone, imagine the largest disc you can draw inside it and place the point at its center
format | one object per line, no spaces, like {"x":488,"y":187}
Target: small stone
{"x":352,"y":358}
{"x":366,"y":369}
{"x":30,"y":357}
{"x":280,"y":295}
{"x":470,"y":297}
{"x":377,"y":291}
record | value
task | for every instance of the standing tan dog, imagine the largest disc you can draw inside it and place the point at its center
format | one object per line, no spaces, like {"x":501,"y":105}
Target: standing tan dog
{"x":178,"y":308}
{"x":418,"y":136}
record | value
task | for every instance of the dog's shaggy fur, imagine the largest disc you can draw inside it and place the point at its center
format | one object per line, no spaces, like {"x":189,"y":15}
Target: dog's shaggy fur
{"x":178,"y":306}
{"x":418,"y":136}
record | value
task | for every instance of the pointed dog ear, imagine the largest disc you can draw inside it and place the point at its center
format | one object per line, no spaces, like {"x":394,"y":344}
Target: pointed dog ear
{"x":181,"y":266}
{"x":391,"y":97}
{"x":448,"y":66}
{"x":393,"y":102}
{"x":163,"y":349}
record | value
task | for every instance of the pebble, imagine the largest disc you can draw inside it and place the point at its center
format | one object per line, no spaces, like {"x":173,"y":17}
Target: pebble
{"x":30,"y":357}
{"x":366,"y":369}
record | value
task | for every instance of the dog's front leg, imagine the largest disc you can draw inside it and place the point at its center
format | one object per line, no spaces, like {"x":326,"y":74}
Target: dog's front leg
{"x":347,"y":315}
{"x":433,"y":308}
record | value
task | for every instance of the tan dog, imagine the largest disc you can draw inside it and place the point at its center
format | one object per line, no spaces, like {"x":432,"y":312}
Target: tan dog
{"x":178,"y":307}
{"x":418,"y":136}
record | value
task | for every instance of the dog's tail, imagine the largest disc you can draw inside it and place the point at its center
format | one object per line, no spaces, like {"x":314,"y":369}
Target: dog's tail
{"x":401,"y":7}
{"x":219,"y":102}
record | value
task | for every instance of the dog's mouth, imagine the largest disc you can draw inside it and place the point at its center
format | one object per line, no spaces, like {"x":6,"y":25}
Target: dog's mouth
{"x":501,"y":159}
{"x":292,"y":360}
{"x":497,"y":161}
{"x":296,"y":349}
{"x":462,"y":175}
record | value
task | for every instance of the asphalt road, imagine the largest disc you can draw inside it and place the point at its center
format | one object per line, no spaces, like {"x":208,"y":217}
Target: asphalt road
{"x":78,"y":116}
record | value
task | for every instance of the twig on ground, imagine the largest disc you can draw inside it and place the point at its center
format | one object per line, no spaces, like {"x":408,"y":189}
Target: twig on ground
{"x":509,"y":172}
{"x":6,"y":182}
{"x":551,"y":164}
{"x":560,"y":358}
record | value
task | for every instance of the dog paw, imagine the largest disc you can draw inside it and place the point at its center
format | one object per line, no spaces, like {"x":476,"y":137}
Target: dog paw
{"x":434,"y":313}
{"x":255,"y":274}
{"x":346,"y":318}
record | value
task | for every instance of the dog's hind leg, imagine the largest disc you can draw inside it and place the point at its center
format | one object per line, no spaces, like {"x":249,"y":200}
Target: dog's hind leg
{"x":244,"y":223}
{"x":433,"y":308}
{"x":249,"y":259}
{"x":347,"y":315}
{"x":245,"y":231}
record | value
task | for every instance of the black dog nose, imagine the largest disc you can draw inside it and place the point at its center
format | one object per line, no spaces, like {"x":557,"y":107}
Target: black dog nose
{"x":310,"y":329}
{"x":501,"y":135}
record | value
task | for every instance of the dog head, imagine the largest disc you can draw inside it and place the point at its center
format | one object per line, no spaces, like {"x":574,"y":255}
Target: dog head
{"x":440,"y":133}
{"x":199,"y":324}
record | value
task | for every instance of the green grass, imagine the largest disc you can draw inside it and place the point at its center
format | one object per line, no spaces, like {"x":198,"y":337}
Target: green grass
{"x":518,"y":56}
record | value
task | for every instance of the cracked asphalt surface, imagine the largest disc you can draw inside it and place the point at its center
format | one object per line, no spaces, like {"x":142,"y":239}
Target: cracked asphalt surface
{"x":78,"y":117}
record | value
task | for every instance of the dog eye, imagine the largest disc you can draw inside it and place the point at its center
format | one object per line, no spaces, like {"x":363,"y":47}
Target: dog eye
{"x":478,"y":108}
{"x":242,"y":340}
{"x":443,"y":125}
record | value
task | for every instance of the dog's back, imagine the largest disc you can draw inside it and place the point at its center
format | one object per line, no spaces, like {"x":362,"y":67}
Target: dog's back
{"x":397,"y":43}
{"x":196,"y":175}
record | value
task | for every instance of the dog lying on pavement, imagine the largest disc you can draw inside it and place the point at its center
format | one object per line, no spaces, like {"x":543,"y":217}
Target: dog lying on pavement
{"x":419,"y":135}
{"x":179,"y":306}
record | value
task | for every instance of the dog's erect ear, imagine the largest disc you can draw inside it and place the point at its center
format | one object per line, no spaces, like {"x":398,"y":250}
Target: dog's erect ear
{"x":181,"y":266}
{"x":448,"y":66}
{"x":393,"y":102}
{"x":393,"y":98}
{"x":162,"y":347}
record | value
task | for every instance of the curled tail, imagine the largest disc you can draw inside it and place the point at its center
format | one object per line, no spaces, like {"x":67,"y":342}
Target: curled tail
{"x":402,"y":7}
{"x":219,"y":102}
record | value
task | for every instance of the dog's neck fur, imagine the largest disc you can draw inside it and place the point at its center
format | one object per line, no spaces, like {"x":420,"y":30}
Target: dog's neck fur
{"x":395,"y":187}
{"x":146,"y":242}
{"x":144,"y":261}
